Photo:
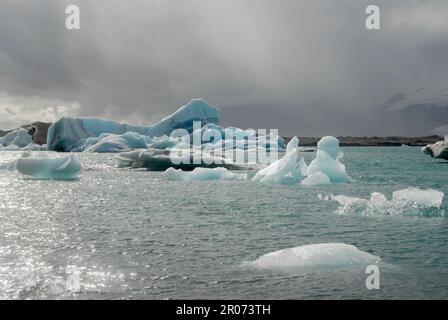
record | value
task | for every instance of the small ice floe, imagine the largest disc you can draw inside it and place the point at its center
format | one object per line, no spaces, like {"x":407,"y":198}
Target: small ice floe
{"x":202,"y":174}
{"x":406,"y":202}
{"x":43,"y":167}
{"x":315,"y":255}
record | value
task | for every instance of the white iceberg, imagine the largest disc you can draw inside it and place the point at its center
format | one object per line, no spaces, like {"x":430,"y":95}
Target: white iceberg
{"x":58,"y":168}
{"x":438,"y":149}
{"x":68,"y":134}
{"x":406,"y":202}
{"x":287,"y":170}
{"x":203,"y":174}
{"x":315,"y":255}
{"x":327,"y":161}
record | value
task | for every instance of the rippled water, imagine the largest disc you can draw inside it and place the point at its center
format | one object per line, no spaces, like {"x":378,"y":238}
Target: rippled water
{"x":119,"y":233}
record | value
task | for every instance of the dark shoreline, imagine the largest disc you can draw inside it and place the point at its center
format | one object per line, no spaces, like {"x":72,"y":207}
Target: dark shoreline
{"x":348,"y":141}
{"x":392,"y":141}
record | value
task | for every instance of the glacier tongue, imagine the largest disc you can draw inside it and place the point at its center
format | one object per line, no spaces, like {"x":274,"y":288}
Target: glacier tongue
{"x":67,"y":134}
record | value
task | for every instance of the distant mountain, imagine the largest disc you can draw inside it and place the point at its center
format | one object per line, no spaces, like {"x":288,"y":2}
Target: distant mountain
{"x":427,"y":106}
{"x":430,"y":96}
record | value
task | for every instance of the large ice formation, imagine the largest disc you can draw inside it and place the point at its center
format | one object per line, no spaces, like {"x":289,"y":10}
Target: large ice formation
{"x":202,"y":174}
{"x":287,"y":170}
{"x":327,"y":160}
{"x":406,"y":202}
{"x":438,"y":149}
{"x":315,"y":255}
{"x":59,"y":168}
{"x":67,"y":134}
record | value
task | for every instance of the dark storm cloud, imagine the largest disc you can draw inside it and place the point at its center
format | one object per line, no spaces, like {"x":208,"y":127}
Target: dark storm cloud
{"x":305,"y":67}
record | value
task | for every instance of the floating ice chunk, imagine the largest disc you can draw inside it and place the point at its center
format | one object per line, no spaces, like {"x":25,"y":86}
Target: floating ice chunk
{"x":18,"y":138}
{"x":66,"y":134}
{"x":327,"y":160}
{"x":424,"y":198}
{"x":405,"y":202}
{"x":287,"y":170}
{"x":162,"y":159}
{"x":60,"y":168}
{"x":315,"y":255}
{"x":202,"y":174}
{"x":438,"y":149}
{"x":317,"y":178}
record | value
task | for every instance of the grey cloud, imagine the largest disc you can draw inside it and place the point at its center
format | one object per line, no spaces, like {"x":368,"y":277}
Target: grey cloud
{"x":305,"y":67}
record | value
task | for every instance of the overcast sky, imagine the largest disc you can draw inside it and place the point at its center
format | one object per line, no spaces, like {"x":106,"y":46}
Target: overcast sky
{"x":304,"y":67}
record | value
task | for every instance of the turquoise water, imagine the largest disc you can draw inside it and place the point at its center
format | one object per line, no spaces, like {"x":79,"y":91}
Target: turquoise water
{"x":129,"y":234}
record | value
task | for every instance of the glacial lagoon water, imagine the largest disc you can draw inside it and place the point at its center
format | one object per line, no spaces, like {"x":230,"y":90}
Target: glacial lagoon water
{"x":131,"y":234}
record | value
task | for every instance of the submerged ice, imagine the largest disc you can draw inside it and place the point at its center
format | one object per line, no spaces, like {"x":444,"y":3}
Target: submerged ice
{"x":406,"y":202}
{"x":42,"y":167}
{"x":315,"y":255}
{"x":203,"y":174}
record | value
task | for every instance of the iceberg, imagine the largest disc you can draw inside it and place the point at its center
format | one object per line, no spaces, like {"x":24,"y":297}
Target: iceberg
{"x":327,"y":161}
{"x":162,"y":159}
{"x":406,"y":202}
{"x":18,"y":138}
{"x":315,"y":255}
{"x":68,"y":134}
{"x":112,"y":143}
{"x":203,"y":174}
{"x":438,"y":149}
{"x":59,"y":168}
{"x":287,"y":170}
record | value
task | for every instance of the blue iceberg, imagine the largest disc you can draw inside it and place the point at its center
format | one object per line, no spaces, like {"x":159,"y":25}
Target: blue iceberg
{"x":19,"y":138}
{"x":58,"y":168}
{"x":68,"y":134}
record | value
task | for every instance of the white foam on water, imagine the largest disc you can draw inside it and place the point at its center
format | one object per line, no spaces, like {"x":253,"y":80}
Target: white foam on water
{"x":405,"y":202}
